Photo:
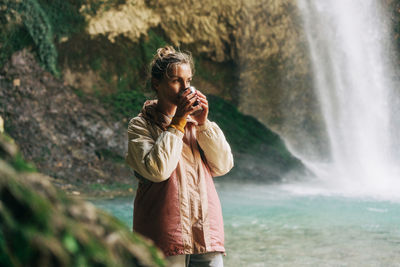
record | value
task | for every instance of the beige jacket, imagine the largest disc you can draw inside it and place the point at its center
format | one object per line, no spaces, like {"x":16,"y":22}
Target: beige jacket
{"x":176,"y":203}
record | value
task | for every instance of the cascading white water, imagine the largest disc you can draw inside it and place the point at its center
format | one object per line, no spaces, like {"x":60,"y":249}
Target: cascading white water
{"x":348,"y":42}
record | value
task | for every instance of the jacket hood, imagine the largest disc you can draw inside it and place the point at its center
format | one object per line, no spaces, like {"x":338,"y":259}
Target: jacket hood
{"x":150,"y":112}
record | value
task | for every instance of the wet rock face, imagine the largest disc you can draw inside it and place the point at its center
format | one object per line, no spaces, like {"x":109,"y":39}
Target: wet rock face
{"x":40,"y":226}
{"x":65,"y":137}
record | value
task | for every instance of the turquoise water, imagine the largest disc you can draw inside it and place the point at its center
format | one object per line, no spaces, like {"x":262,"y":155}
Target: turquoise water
{"x":268,"y":226}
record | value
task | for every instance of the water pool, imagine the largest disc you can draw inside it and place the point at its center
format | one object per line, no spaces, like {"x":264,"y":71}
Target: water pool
{"x":268,"y":226}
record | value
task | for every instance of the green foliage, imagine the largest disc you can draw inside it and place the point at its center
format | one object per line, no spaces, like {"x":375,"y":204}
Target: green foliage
{"x":39,"y":28}
{"x":70,"y":243}
{"x":64,"y":16}
{"x":21,"y":165}
{"x":214,"y":72}
{"x":150,"y":45}
{"x":125,"y":103}
{"x":45,"y":21}
{"x":13,"y":38}
{"x":223,"y":75}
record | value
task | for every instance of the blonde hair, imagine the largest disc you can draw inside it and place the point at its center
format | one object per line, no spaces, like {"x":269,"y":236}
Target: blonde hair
{"x":166,"y":59}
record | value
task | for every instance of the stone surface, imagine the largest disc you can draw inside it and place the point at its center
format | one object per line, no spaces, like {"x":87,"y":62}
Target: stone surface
{"x":66,"y":137}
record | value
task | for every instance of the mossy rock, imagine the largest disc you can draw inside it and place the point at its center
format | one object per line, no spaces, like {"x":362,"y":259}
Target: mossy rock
{"x":41,"y":226}
{"x":260,"y":154}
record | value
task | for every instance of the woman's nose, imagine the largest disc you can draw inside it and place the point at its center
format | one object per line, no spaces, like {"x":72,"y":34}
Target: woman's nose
{"x":186,"y":84}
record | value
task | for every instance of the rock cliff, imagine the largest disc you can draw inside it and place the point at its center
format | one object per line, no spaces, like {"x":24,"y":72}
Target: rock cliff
{"x":262,"y":39}
{"x":77,"y":140}
{"x":65,"y":136}
{"x":251,"y":53}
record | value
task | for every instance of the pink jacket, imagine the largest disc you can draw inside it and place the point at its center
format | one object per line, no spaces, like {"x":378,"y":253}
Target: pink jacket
{"x":176,"y":203}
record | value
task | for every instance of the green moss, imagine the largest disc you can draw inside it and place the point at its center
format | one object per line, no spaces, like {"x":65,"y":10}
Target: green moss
{"x":125,"y":103}
{"x":150,"y":44}
{"x":37,"y":228}
{"x":12,"y":39}
{"x":222,"y":75}
{"x":81,"y":94}
{"x":21,"y":165}
{"x":7,"y":138}
{"x":37,"y":24}
{"x":214,"y":71}
{"x":70,"y":243}
{"x":96,"y":64}
{"x":64,"y":16}
{"x":26,"y":207}
{"x":244,"y":133}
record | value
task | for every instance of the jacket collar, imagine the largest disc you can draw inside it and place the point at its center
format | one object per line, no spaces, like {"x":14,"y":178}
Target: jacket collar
{"x":150,"y":112}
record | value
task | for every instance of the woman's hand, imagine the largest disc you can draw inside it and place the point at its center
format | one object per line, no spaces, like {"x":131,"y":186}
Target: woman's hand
{"x":185,"y":104}
{"x":201,"y":118}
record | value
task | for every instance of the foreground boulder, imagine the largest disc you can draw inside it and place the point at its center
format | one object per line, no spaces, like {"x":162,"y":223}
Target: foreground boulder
{"x":41,"y":226}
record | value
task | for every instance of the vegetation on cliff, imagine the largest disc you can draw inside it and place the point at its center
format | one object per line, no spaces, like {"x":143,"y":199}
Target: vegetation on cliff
{"x":38,"y":26}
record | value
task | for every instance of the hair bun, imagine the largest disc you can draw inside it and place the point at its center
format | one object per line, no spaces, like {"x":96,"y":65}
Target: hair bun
{"x":165,"y":60}
{"x":164,"y":51}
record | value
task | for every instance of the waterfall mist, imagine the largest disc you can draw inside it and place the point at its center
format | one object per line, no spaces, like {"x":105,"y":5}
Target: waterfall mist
{"x":350,"y":51}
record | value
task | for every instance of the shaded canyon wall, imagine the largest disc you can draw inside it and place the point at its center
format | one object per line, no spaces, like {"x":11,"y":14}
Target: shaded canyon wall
{"x":263,"y":40}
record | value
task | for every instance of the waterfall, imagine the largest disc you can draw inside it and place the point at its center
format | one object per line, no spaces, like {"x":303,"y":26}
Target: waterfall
{"x":350,"y":54}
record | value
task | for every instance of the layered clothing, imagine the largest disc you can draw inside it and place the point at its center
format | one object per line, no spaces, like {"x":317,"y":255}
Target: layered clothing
{"x":176,"y":203}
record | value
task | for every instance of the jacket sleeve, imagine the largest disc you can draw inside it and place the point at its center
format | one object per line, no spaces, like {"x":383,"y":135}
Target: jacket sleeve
{"x":153,"y":159}
{"x":215,"y":147}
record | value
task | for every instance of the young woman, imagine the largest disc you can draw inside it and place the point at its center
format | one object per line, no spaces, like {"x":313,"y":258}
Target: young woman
{"x":175,"y":152}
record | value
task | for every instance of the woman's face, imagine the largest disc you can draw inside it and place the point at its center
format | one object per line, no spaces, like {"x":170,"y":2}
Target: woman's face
{"x":169,"y":87}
